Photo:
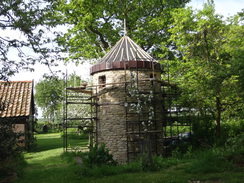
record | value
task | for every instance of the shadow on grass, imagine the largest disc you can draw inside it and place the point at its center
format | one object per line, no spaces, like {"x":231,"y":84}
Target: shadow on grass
{"x":48,"y":144}
{"x":54,"y":141}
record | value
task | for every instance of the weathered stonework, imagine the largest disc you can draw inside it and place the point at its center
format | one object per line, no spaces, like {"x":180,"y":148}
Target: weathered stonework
{"x":119,"y":125}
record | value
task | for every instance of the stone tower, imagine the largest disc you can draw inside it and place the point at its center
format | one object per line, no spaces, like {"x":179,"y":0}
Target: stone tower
{"x":128,"y":90}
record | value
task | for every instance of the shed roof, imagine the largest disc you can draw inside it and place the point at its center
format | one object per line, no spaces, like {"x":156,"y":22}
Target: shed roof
{"x":126,"y":50}
{"x":15,"y":98}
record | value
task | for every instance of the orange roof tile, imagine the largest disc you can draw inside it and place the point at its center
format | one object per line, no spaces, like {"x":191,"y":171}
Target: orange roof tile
{"x":15,"y":98}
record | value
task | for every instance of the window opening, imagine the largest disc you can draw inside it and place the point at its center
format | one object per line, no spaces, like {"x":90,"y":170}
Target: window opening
{"x":102,"y":81}
{"x":153,"y":75}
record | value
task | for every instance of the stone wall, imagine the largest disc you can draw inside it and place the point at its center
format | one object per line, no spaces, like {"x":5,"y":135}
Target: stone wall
{"x":117,"y":115}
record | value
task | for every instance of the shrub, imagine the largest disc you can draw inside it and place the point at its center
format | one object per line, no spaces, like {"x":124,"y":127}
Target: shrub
{"x":158,"y":163}
{"x":74,"y":135}
{"x":8,"y":142}
{"x":139,"y":165}
{"x":10,"y":152}
{"x":204,"y":133}
{"x":234,"y":150}
{"x":12,"y":167}
{"x":231,"y":128}
{"x":209,"y":161}
{"x":101,"y":171}
{"x":97,"y":156}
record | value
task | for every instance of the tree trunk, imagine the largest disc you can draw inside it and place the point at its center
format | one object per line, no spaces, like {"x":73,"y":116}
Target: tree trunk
{"x":218,"y":119}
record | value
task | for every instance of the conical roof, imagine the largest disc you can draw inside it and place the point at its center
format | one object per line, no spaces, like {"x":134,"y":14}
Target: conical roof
{"x":125,"y":54}
{"x":126,"y":50}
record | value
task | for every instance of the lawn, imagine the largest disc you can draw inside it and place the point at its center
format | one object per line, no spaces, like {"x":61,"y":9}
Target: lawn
{"x":46,"y":164}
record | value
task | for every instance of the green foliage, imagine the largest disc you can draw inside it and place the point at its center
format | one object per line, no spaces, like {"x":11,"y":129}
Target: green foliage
{"x":96,"y":25}
{"x":46,"y":165}
{"x":204,"y":133}
{"x":157,"y":164}
{"x":97,"y":156}
{"x":50,"y":93}
{"x":204,"y":65}
{"x":76,"y":135}
{"x":231,"y":128}
{"x":8,"y":143}
{"x":12,"y":167}
{"x":10,"y":153}
{"x":49,"y":96}
{"x":74,"y":80}
{"x":23,"y":26}
{"x":209,"y":161}
{"x":234,"y":150}
{"x":228,"y":157}
{"x":101,"y":171}
{"x":51,"y":127}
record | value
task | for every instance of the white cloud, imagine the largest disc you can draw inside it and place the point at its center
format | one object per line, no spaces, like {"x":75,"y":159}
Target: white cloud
{"x":224,"y":7}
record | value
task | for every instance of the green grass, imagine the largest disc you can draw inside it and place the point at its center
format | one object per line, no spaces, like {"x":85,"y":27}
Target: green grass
{"x":48,"y":164}
{"x":45,"y":163}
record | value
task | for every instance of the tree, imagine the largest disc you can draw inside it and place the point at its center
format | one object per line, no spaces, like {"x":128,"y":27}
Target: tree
{"x":77,"y":110}
{"x":74,"y":80}
{"x":23,"y":26}
{"x":205,"y":60}
{"x":95,"y":26}
{"x":49,"y":96}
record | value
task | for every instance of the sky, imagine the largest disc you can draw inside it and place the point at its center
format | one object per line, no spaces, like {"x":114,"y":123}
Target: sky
{"x":223,"y":7}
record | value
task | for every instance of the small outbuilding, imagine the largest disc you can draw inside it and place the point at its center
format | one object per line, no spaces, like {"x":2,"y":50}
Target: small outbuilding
{"x":132,"y":110}
{"x":129,"y":101}
{"x":17,"y":108}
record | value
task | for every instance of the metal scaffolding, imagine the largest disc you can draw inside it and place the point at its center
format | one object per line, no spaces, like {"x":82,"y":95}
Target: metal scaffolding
{"x":168,"y":118}
{"x":142,"y":123}
{"x":80,"y":115}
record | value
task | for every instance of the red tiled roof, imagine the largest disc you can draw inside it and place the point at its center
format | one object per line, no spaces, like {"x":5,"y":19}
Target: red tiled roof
{"x":15,"y":98}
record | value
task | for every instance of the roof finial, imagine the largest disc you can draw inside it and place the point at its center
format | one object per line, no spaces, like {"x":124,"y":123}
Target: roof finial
{"x":125,"y":32}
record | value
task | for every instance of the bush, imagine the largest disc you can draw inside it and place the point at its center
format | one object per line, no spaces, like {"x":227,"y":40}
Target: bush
{"x":204,"y":133}
{"x":221,"y":158}
{"x":209,"y":161}
{"x":157,"y":163}
{"x":101,"y":171}
{"x":97,"y":156}
{"x":234,"y":150}
{"x":12,"y":167}
{"x":140,"y":165}
{"x":10,"y":152}
{"x":231,"y":128}
{"x":8,"y":142}
{"x":74,"y":135}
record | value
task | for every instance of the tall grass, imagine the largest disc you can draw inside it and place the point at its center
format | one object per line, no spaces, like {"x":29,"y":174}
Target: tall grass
{"x":48,"y":163}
